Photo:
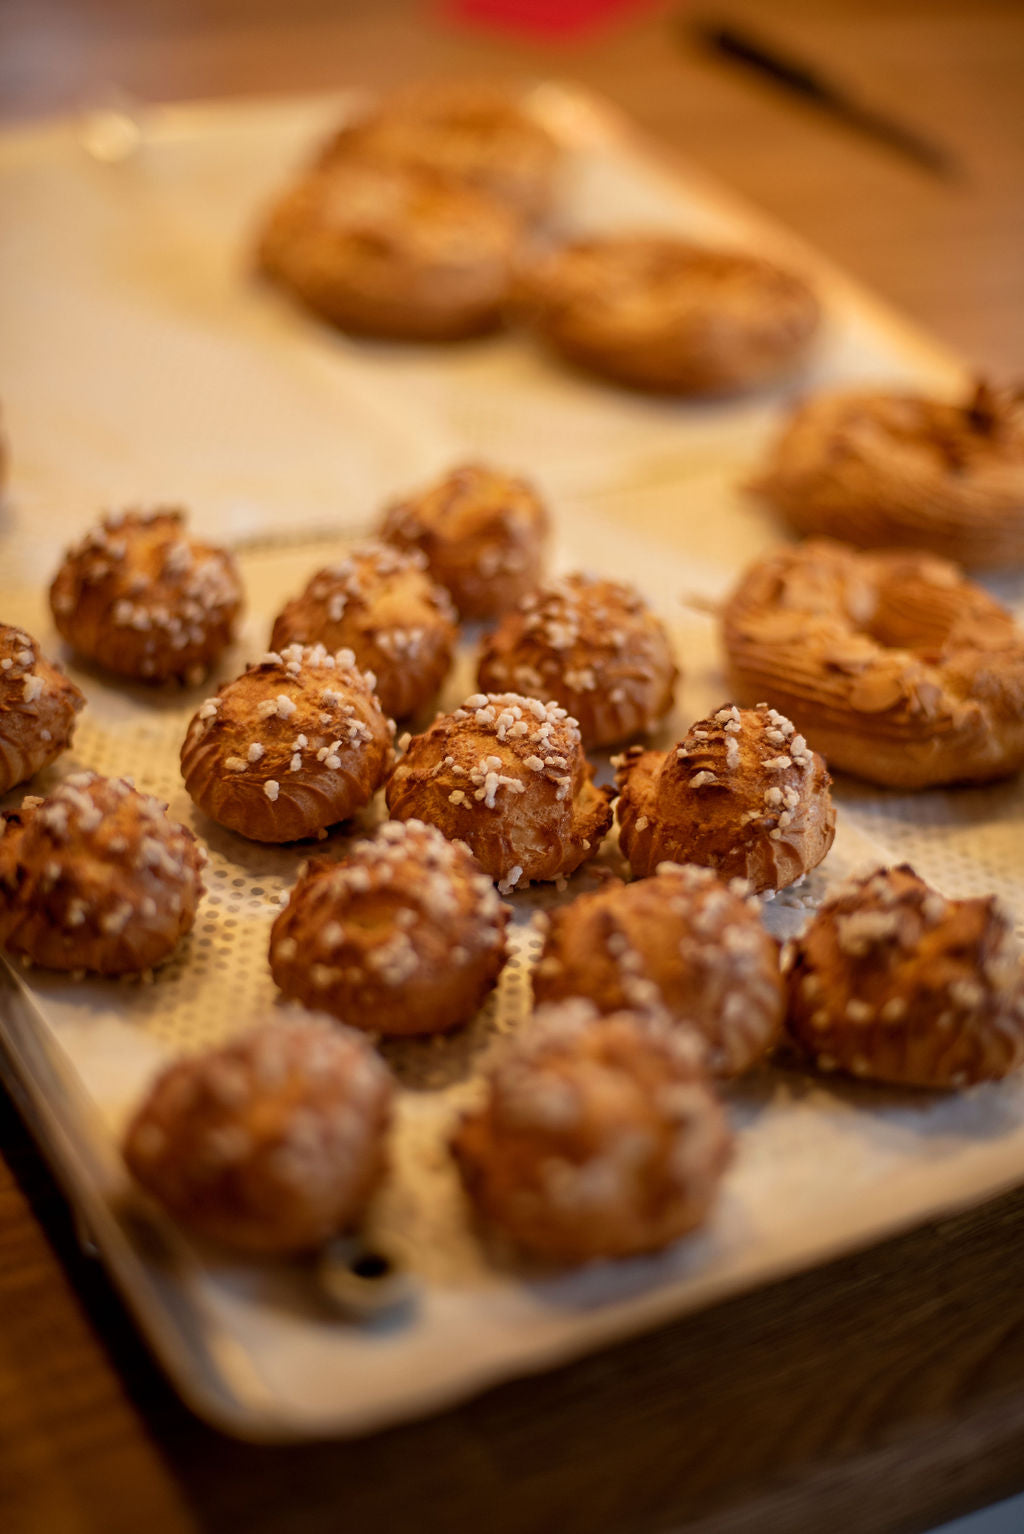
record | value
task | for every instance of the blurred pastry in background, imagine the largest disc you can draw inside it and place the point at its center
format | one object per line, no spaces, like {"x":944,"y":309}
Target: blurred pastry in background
{"x":890,"y":469}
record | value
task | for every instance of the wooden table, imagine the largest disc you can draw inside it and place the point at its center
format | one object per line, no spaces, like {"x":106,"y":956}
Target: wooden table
{"x":881,"y":1393}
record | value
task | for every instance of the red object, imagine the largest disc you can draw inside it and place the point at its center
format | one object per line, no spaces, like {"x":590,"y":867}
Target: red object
{"x":563,"y":19}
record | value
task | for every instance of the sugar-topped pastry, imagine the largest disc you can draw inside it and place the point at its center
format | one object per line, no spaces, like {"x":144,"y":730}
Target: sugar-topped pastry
{"x":889,"y":469}
{"x":145,"y":600}
{"x":270,"y":1144}
{"x":380,"y":603}
{"x":893,"y":982}
{"x":900,"y":669}
{"x":683,"y":943}
{"x":743,"y":794}
{"x":506,"y":775}
{"x":295,"y":744}
{"x":407,"y":935}
{"x":595,"y":647}
{"x":389,"y":249}
{"x":38,"y":705}
{"x":654,"y":311}
{"x":96,"y":878}
{"x":597,"y":1137}
{"x":472,"y":131}
{"x":482,"y":532}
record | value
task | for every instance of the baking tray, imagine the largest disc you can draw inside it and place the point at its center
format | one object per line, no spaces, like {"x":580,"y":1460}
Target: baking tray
{"x":145,"y":364}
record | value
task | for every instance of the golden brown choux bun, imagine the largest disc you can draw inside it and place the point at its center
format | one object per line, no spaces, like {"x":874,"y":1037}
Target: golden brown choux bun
{"x":37,"y":708}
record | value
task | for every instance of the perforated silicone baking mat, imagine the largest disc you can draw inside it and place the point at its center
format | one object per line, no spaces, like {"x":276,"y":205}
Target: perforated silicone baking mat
{"x":145,"y":364}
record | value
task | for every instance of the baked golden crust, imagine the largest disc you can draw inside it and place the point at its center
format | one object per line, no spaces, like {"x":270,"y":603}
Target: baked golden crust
{"x":483,"y":534}
{"x":598,"y":1137}
{"x":893,"y":982}
{"x":406,"y":936}
{"x":888,"y":470}
{"x":37,"y":708}
{"x":657,"y":312}
{"x":473,"y":132}
{"x":506,"y":775}
{"x":272,"y":1143}
{"x":146,"y":601}
{"x":898,"y":668}
{"x":742,"y":794}
{"x":683,"y":943}
{"x":595,"y":647}
{"x":96,"y":878}
{"x":391,"y":250}
{"x":297,"y":743}
{"x":380,"y":603}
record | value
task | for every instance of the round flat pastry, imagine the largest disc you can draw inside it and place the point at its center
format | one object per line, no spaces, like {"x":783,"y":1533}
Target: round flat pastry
{"x":471,"y":131}
{"x":682,"y":943}
{"x":96,"y":878}
{"x":380,"y":603}
{"x":37,"y":708}
{"x":598,"y":1137}
{"x":296,"y":744}
{"x":406,"y":936}
{"x":742,"y":794}
{"x":144,"y":600}
{"x":659,"y":313}
{"x":506,"y":775}
{"x":892,"y":982}
{"x":392,"y":250}
{"x":483,"y":535}
{"x":595,"y":647}
{"x":272,"y":1143}
{"x":891,"y":470}
{"x":898,"y":668}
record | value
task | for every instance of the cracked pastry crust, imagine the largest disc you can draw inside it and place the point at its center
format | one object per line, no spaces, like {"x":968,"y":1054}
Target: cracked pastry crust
{"x":656,"y":312}
{"x":380,"y":603}
{"x":37,"y":708}
{"x":892,"y":982}
{"x":145,"y":600}
{"x":595,"y":647}
{"x":483,"y":535}
{"x":270,"y":1144}
{"x":506,"y":775}
{"x":598,"y":1137}
{"x":406,"y":936}
{"x":900,"y":670}
{"x":742,"y":794}
{"x":296,"y":744}
{"x":391,"y":249}
{"x":890,"y":470}
{"x":682,"y":942}
{"x":472,"y":132}
{"x":96,"y":878}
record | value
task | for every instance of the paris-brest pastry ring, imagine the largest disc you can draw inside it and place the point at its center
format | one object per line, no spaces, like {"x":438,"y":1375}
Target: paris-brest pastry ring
{"x":656,"y":312}
{"x":471,"y":131}
{"x":38,"y":705}
{"x":296,"y":744}
{"x":683,"y":942}
{"x":506,"y":775}
{"x":885,"y":469}
{"x":380,"y":603}
{"x":270,"y":1144}
{"x":145,"y":600}
{"x":743,"y":794}
{"x":390,"y":249}
{"x":482,"y":533}
{"x":595,"y":647}
{"x":898,"y":668}
{"x":406,"y":936}
{"x":597,"y":1137}
{"x":893,"y":982}
{"x":96,"y":878}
